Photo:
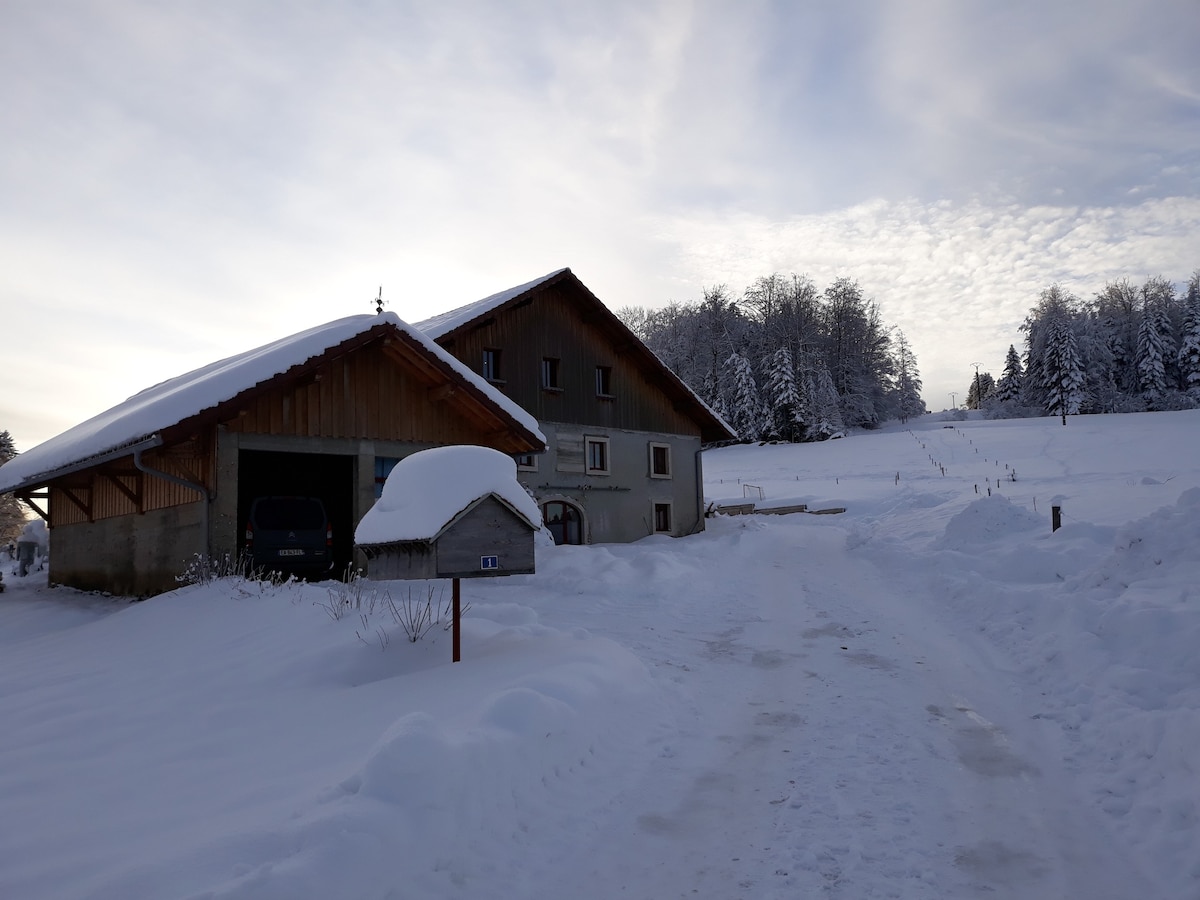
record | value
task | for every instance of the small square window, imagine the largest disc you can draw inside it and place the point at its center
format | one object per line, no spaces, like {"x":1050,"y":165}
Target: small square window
{"x":550,"y":374}
{"x":604,"y":381}
{"x":597,"y":456}
{"x":491,"y":365}
{"x":662,"y":518}
{"x":526,"y":462}
{"x":383,"y":468}
{"x":660,"y":460}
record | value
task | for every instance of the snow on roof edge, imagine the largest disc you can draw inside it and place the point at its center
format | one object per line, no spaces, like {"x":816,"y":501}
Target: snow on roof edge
{"x":441,"y":324}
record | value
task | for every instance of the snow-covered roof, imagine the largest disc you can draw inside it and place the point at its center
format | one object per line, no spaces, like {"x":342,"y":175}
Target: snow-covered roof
{"x":442,"y":324}
{"x":145,"y":414}
{"x":427,"y":491}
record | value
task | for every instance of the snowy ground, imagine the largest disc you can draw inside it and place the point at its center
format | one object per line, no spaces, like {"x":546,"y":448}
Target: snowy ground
{"x":927,"y":696}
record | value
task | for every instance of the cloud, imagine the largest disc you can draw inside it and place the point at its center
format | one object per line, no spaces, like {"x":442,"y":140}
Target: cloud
{"x":185,"y":181}
{"x":958,"y":279}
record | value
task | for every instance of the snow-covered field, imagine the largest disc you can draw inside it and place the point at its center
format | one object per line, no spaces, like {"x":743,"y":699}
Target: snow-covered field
{"x":927,"y":696}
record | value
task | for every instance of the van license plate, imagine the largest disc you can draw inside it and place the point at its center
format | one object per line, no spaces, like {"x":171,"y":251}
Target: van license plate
{"x":291,"y":552}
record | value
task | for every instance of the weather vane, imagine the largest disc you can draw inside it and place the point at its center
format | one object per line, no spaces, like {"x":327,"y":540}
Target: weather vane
{"x":378,"y":301}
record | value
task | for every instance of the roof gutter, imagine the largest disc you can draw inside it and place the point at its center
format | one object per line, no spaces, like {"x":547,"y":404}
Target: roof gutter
{"x":117,"y":453}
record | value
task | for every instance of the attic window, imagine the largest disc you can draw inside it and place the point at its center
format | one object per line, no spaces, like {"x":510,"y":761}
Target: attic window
{"x":550,"y":374}
{"x":491,"y":365}
{"x":604,"y":381}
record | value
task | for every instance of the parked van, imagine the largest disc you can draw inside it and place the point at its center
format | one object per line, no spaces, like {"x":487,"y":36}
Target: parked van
{"x":291,"y":535}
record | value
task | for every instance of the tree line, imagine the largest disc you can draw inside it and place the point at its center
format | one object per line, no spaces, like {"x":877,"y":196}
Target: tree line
{"x":1128,"y":349}
{"x":785,"y":360}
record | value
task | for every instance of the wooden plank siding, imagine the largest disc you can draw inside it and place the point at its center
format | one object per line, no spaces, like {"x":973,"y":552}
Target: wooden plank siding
{"x":371,"y":394}
{"x":120,"y":489}
{"x":547,"y":325}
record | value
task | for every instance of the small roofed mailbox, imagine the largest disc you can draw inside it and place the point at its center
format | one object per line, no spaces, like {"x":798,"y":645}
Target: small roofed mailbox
{"x":450,"y":512}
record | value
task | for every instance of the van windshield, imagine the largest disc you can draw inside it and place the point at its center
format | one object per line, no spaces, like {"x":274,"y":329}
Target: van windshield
{"x":289,"y":514}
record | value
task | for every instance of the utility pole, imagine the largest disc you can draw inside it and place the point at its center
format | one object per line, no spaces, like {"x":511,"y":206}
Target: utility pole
{"x":954,"y":399}
{"x":978,"y":398}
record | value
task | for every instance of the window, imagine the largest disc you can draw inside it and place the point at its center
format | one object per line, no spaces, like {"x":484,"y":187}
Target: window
{"x":526,"y":462}
{"x":660,"y":460}
{"x":383,"y":468}
{"x":662,"y":518}
{"x":604,"y":381}
{"x":550,"y":374}
{"x":491,"y":365}
{"x":597,"y":456}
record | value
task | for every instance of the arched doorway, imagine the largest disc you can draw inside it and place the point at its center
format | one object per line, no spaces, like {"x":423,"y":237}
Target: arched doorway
{"x":564,"y":520}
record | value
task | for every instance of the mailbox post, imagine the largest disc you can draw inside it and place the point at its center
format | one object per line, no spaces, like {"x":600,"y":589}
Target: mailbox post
{"x":451,"y":512}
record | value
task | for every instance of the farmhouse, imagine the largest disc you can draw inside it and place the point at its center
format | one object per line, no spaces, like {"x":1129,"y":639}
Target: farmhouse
{"x":624,"y":432}
{"x":134,"y":493}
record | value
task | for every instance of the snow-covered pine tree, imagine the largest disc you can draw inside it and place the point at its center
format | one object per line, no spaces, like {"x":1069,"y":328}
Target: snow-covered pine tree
{"x":744,"y":408}
{"x":908,"y":402}
{"x":1008,"y":390}
{"x":1151,"y":368}
{"x":786,"y":414}
{"x":12,"y":513}
{"x":827,"y":420}
{"x":807,"y":387}
{"x":1062,"y":372}
{"x":1189,"y":346}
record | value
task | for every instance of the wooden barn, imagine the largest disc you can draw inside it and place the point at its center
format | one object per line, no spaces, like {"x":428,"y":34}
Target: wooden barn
{"x":132,"y":495}
{"x":624,"y":433}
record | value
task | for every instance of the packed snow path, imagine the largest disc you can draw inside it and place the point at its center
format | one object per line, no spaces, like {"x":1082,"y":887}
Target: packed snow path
{"x":830,"y":740}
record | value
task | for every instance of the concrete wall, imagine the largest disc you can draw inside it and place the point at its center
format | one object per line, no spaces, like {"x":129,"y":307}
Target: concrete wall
{"x":618,"y":507}
{"x":133,"y":556}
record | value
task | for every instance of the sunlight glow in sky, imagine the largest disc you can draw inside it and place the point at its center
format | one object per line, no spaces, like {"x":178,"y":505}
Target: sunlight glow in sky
{"x":185,"y":181}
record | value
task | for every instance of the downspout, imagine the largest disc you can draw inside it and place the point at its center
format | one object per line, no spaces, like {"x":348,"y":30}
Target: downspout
{"x":182,"y":482}
{"x":699,"y":491}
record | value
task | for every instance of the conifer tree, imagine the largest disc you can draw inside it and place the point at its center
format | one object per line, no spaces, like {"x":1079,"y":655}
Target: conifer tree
{"x":827,"y":421}
{"x":1062,"y":373}
{"x":908,"y":381}
{"x":1189,"y":346}
{"x":1008,"y":390}
{"x":1151,"y":347}
{"x":12,"y":513}
{"x":787,"y":420}
{"x":744,"y":408}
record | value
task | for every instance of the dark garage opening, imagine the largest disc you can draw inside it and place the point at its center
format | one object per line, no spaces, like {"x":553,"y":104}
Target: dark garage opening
{"x":264,"y":473}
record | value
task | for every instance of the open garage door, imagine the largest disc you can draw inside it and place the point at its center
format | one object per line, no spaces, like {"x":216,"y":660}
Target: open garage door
{"x":329,"y":478}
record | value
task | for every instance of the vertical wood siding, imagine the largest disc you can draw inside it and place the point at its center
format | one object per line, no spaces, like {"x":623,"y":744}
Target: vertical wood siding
{"x":549,"y":326}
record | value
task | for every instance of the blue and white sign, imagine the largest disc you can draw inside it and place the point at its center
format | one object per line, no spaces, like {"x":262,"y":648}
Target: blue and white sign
{"x":489,"y":562}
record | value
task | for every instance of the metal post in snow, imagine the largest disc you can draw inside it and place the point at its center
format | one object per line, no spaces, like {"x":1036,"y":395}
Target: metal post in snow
{"x":456,"y":620}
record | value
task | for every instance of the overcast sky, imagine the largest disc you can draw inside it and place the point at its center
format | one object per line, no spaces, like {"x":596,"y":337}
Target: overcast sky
{"x":183,"y":181}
